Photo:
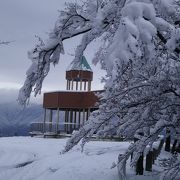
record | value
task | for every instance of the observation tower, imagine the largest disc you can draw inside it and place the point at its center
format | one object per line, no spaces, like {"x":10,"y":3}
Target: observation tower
{"x":66,"y":111}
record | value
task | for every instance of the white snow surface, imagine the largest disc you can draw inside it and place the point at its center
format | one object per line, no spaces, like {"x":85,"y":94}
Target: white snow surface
{"x":47,"y":163}
{"x":26,"y":158}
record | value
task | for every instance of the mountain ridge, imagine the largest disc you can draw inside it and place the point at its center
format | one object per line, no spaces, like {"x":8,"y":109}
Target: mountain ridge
{"x":15,"y":120}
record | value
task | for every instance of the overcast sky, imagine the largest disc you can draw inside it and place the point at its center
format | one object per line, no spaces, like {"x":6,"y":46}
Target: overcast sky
{"x":20,"y":21}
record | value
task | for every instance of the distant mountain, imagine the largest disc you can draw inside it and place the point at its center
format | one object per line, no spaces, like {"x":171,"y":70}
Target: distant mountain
{"x":15,"y":120}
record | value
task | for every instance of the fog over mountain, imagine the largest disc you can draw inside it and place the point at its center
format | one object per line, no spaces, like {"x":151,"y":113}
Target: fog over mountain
{"x":15,"y":120}
{"x":9,"y":95}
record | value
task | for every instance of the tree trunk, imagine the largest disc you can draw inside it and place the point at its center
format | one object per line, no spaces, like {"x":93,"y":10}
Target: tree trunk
{"x":139,"y":166}
{"x":178,"y":148}
{"x":160,"y":146}
{"x":149,"y":161}
{"x":174,"y":146}
{"x":155,"y":153}
{"x":168,"y":141}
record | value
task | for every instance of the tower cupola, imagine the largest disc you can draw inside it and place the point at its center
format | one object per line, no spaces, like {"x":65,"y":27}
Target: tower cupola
{"x":79,"y":75}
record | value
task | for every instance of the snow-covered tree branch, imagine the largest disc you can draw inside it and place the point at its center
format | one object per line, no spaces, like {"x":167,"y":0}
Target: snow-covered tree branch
{"x":75,"y":20}
{"x":141,"y":54}
{"x":4,"y":42}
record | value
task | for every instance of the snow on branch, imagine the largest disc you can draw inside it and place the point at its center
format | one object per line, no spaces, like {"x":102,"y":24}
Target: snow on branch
{"x":5,"y":42}
{"x":142,"y":84}
{"x":75,"y":20}
{"x":140,"y":52}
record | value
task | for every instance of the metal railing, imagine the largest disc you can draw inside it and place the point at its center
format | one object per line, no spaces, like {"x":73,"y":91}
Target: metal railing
{"x":53,"y":128}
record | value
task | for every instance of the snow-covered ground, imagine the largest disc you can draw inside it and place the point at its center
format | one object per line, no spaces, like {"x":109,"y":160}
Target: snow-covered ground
{"x":26,"y":158}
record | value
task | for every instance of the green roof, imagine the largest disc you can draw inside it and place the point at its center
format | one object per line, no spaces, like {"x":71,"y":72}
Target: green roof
{"x":85,"y":64}
{"x":82,"y":64}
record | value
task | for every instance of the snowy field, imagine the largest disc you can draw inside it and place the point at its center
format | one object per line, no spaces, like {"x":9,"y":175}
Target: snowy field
{"x":26,"y":158}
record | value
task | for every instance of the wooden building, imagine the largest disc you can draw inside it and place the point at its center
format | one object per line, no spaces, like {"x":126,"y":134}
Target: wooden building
{"x":66,"y":111}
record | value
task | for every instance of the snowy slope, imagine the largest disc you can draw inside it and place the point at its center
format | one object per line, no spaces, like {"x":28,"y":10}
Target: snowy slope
{"x":15,"y":119}
{"x":48,"y":164}
{"x":25,"y":158}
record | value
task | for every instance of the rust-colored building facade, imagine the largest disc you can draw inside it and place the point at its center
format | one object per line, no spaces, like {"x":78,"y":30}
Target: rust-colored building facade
{"x":66,"y":111}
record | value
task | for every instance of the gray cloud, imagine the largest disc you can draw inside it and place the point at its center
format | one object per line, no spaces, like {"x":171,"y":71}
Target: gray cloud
{"x":9,"y":95}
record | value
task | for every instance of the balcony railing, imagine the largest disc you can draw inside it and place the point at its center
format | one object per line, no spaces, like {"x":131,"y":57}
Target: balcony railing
{"x":37,"y":128}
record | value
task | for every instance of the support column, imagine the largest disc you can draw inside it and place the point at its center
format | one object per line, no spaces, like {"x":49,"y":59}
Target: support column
{"x":65,"y":120}
{"x":89,"y":85}
{"x":44,"y":122}
{"x":81,"y":85}
{"x":57,"y":122}
{"x":72,"y":84}
{"x":83,"y":116}
{"x":84,"y":85}
{"x":71,"y":120}
{"x":75,"y":112}
{"x":79,"y":120}
{"x":87,"y":113}
{"x":67,"y":125}
{"x":50,"y":120}
{"x":67,"y":85}
{"x":76,"y":85}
